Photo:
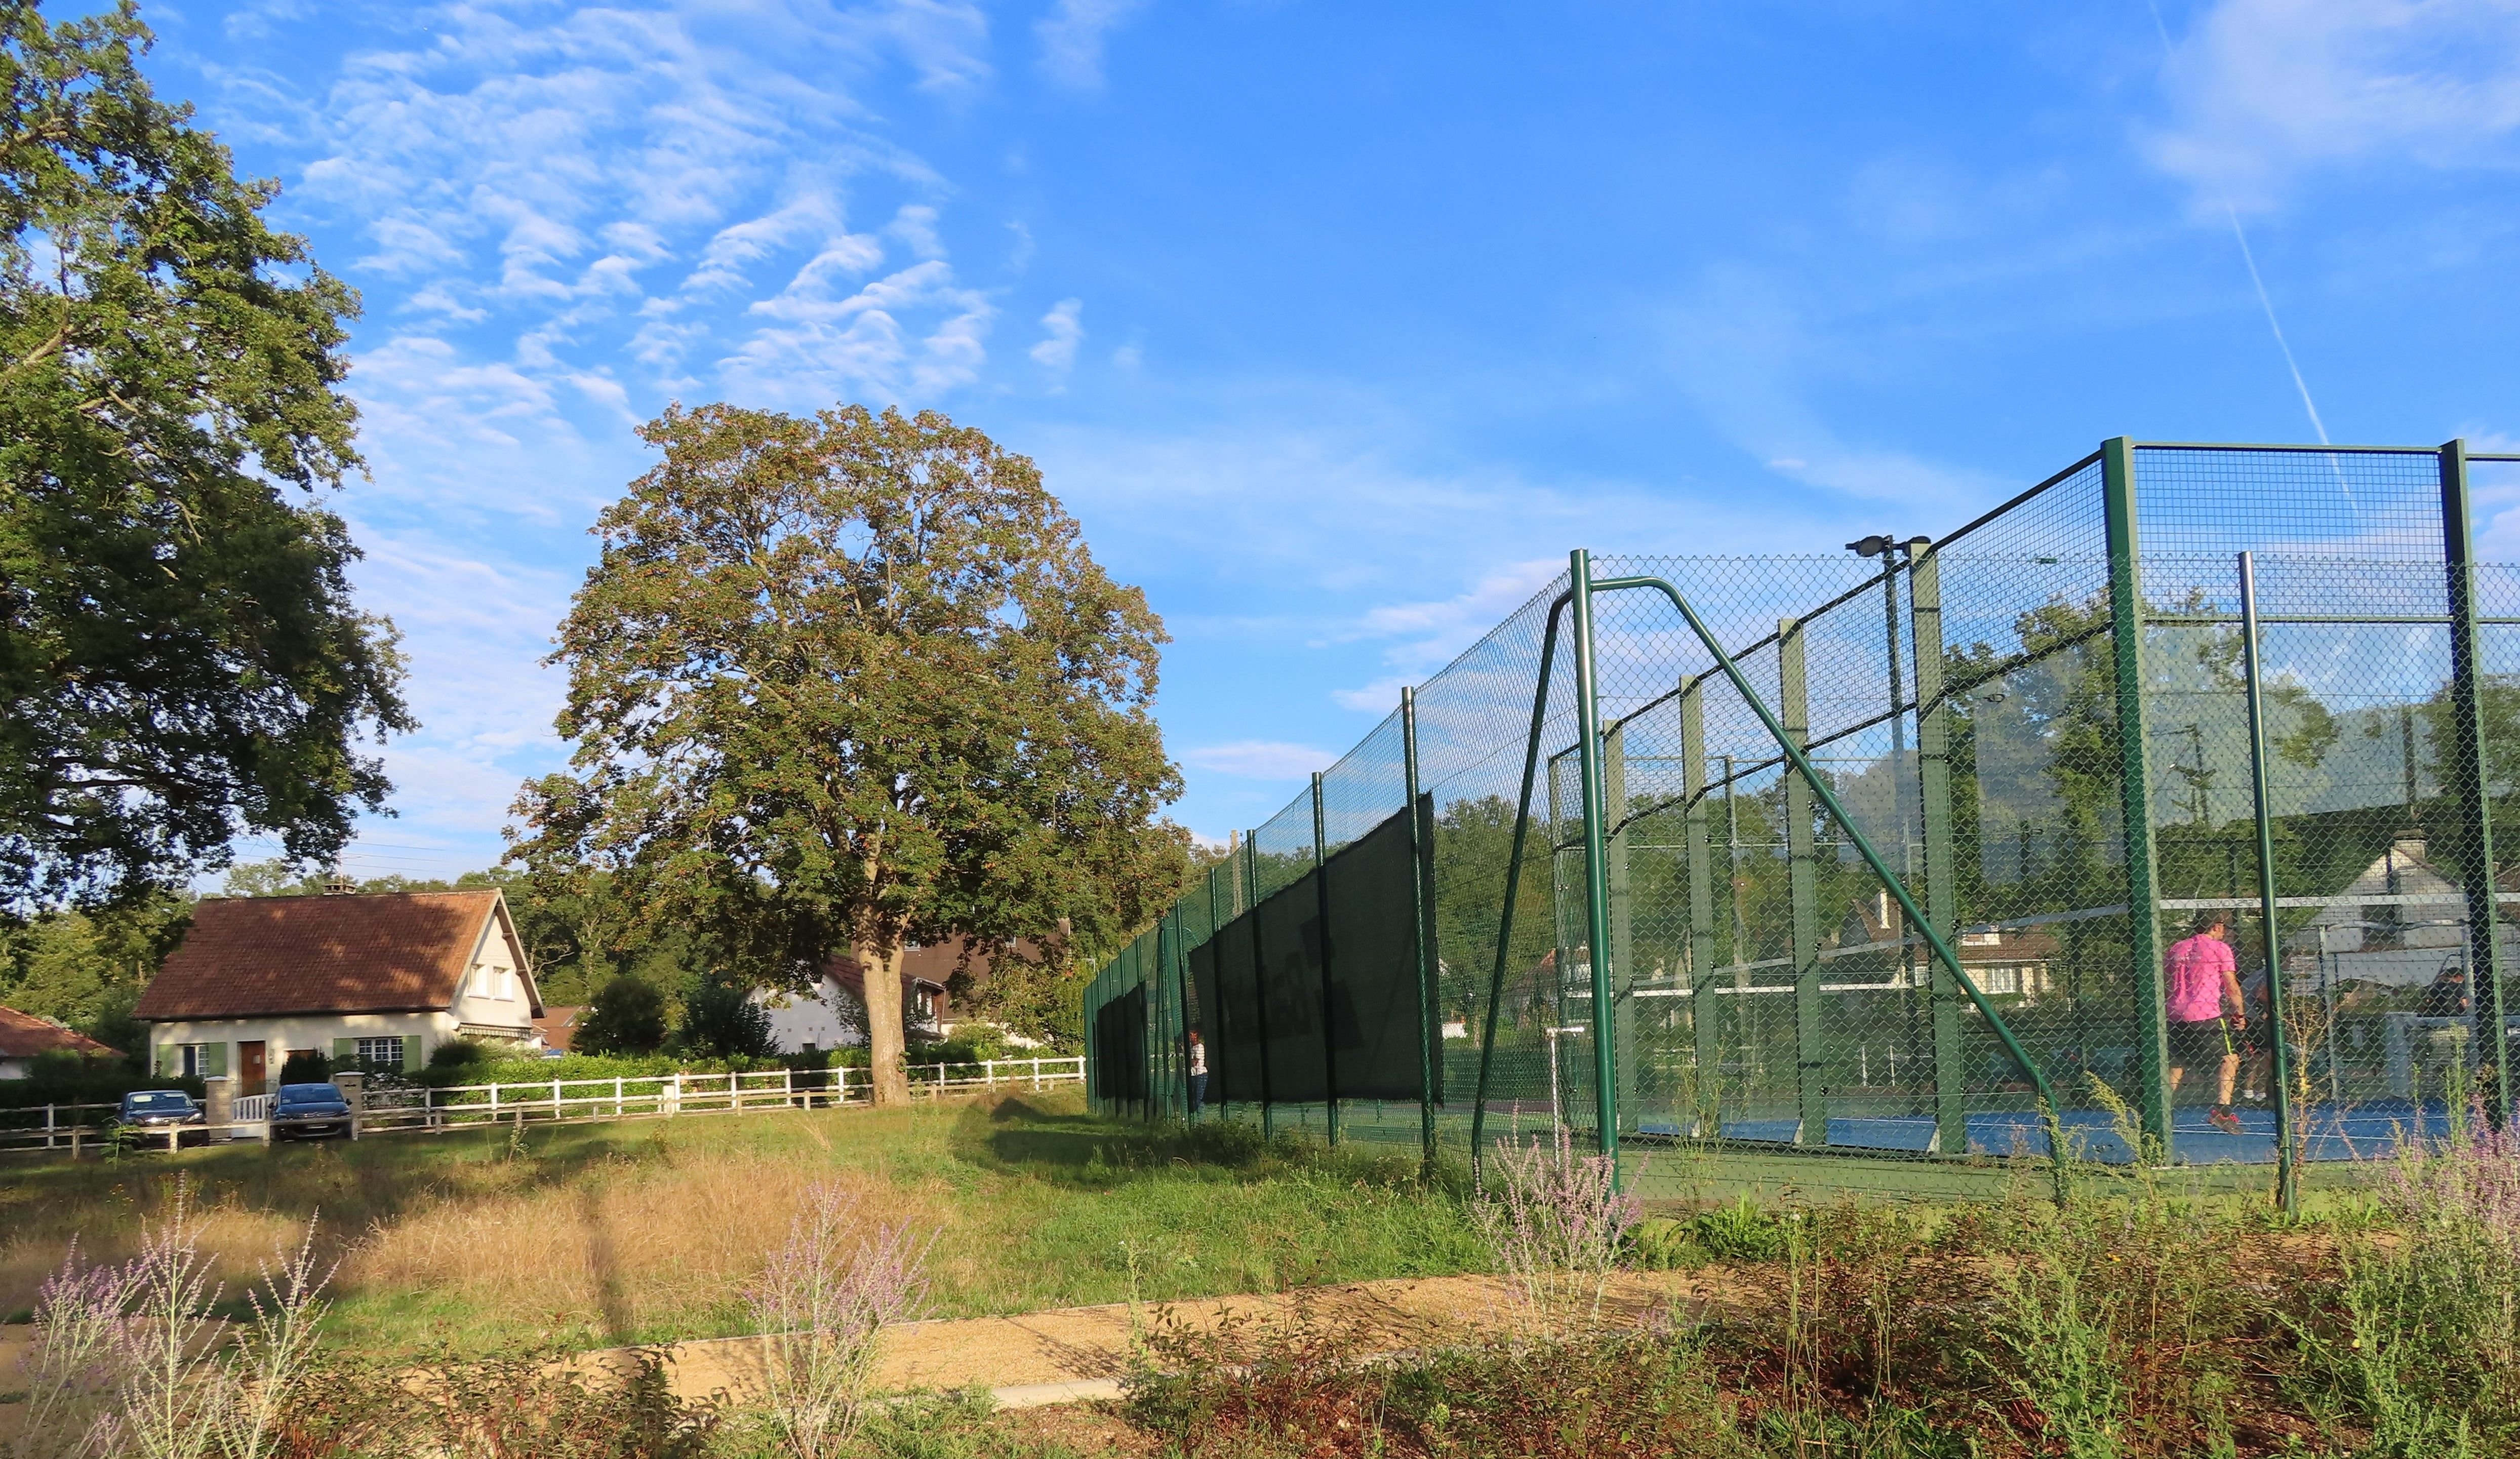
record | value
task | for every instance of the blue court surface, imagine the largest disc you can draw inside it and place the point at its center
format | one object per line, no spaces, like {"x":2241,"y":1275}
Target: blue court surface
{"x":2350,"y":1132}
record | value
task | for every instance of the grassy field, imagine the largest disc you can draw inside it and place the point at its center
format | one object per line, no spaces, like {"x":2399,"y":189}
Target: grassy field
{"x":644,"y":1231}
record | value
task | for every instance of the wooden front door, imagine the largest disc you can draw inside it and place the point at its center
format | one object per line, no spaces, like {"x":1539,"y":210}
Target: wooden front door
{"x":250,"y":1069}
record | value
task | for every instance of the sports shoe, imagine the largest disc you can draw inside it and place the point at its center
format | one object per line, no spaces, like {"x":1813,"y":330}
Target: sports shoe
{"x":2224,"y":1121}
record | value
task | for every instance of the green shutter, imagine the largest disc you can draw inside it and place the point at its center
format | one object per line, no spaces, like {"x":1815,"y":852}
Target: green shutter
{"x":410,"y":1052}
{"x":170,"y":1058}
{"x":346,"y":1052}
{"x":215,"y":1060}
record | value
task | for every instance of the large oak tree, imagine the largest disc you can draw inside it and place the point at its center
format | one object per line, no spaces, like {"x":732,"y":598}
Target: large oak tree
{"x":180,"y":660}
{"x":850,"y":684}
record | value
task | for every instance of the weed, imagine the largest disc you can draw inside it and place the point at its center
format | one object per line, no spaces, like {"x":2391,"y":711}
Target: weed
{"x":822,"y":1303}
{"x":1558,"y":1223}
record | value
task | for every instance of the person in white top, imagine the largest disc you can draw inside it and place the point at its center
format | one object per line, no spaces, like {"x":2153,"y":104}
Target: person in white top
{"x":1198,"y":1072}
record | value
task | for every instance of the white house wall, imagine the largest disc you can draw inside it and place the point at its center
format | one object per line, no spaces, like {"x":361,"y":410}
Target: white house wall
{"x":493,"y":953}
{"x":828,"y":1017}
{"x":282,"y":1034}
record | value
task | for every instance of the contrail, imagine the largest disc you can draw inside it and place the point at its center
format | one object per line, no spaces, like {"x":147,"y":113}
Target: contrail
{"x":2266,"y":302}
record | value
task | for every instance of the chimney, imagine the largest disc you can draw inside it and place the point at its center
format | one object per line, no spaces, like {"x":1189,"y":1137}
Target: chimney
{"x":339,"y":884}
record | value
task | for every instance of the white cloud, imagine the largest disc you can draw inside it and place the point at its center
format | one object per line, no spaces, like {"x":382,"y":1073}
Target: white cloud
{"x":1064,"y":329}
{"x":2264,"y":91}
{"x":1071,"y":38}
{"x":1261,"y":759}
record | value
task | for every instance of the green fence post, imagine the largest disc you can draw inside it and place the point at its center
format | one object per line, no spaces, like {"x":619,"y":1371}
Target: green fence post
{"x":1705,"y":1029}
{"x":2135,"y":783}
{"x":2276,"y":1036}
{"x":1259,"y":979}
{"x":1322,"y":910}
{"x":1596,"y":857}
{"x":1802,"y":891}
{"x":1512,"y":884}
{"x":1624,"y":1053}
{"x":1217,"y":1032}
{"x":2473,"y":782}
{"x":1934,"y":786}
{"x":1421,"y":856}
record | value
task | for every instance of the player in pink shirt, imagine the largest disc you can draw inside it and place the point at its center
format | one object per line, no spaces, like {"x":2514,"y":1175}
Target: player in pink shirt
{"x":2203,"y":979}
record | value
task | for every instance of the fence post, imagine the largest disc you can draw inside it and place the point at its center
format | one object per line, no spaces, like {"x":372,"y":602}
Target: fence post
{"x":1181,"y":1000}
{"x":48,"y":1126}
{"x":2277,"y":1036}
{"x":1934,"y":788}
{"x":1422,"y":895}
{"x":1322,"y":910}
{"x":2474,"y":778}
{"x":617,"y":1096}
{"x":1704,"y":1024}
{"x":1597,"y":882}
{"x":494,"y":1101}
{"x":1802,"y":891}
{"x":2143,"y":876}
{"x":1259,"y":981}
{"x":556,"y":1109}
{"x":1622,"y":982}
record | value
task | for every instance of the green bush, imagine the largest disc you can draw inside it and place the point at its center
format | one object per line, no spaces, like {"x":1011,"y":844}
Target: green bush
{"x":306,"y":1066}
{"x":460,"y":1053}
{"x":68,"y":1079}
{"x":628,"y":1018}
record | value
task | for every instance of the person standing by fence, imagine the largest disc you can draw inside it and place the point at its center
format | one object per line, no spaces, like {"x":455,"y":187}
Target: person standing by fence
{"x":1197,"y":1073}
{"x":2204,"y":979}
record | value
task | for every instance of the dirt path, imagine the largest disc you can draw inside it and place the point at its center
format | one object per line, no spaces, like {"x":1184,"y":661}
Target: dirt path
{"x":1083,"y":1348}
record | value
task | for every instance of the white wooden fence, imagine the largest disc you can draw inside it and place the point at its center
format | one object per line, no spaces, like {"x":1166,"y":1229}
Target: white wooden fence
{"x":653,"y":1096}
{"x":79,"y":1127}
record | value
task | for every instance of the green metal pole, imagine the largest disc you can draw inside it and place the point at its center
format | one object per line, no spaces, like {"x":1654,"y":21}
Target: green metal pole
{"x":1218,"y":1031}
{"x":1259,"y":981}
{"x":2286,"y":1155}
{"x":1422,"y":858}
{"x":1322,"y":909}
{"x":1890,"y":880}
{"x":2466,"y":762}
{"x":1802,"y":891}
{"x":1512,"y":883}
{"x":1934,"y":787}
{"x":1596,"y":857}
{"x":1625,"y":1054}
{"x":1705,"y":1029}
{"x":2135,"y":784}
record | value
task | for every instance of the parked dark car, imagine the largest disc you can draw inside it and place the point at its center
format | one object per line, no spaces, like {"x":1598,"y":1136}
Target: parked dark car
{"x":310,"y":1112}
{"x":148,"y":1115}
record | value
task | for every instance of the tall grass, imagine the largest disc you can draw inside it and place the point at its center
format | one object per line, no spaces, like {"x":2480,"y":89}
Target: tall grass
{"x":822,"y":1301}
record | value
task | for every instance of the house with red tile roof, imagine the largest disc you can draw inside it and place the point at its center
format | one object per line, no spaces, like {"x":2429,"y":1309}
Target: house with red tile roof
{"x":378,"y":979}
{"x":24,"y":1037}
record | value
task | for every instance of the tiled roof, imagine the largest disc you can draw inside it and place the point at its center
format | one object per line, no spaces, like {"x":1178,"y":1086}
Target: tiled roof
{"x":386,"y":952}
{"x":23,"y":1036}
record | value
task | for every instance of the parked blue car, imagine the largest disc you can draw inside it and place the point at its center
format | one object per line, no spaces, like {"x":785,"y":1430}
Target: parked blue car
{"x":310,"y":1112}
{"x":148,"y":1115}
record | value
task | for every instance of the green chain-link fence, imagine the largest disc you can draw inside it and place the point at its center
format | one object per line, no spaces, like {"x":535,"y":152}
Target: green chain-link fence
{"x":1863,"y":878}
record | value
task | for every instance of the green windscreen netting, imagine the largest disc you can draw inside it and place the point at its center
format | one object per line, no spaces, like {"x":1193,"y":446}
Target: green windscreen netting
{"x":2047,"y":730}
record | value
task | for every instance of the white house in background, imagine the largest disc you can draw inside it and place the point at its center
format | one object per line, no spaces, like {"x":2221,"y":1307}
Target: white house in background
{"x":832,"y":1015}
{"x":2398,"y":924}
{"x":24,"y":1037}
{"x":380,"y":978}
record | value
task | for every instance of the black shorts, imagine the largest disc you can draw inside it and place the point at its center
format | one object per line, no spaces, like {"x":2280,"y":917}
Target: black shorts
{"x":2199,"y":1045}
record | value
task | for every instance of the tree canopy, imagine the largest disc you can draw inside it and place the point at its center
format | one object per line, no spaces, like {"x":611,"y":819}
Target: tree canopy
{"x":847,"y":684}
{"x":180,"y":660}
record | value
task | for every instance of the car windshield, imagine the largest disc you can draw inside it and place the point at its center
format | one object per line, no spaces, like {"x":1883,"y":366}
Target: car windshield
{"x":161,"y":1099}
{"x":308,"y":1094}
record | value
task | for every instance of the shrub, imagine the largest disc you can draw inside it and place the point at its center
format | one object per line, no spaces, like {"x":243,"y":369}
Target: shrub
{"x":628,"y":1018}
{"x":821,"y":1303}
{"x":459,"y":1053}
{"x":721,"y":1020}
{"x":306,"y":1066}
{"x":1558,"y":1223}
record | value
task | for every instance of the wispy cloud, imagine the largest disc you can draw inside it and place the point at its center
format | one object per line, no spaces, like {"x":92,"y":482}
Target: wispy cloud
{"x":1072,"y":37}
{"x":1064,"y":328}
{"x":1261,"y":759}
{"x":2264,"y":91}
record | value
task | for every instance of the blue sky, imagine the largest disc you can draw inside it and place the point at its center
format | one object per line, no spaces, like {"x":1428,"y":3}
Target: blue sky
{"x":1337,"y":324}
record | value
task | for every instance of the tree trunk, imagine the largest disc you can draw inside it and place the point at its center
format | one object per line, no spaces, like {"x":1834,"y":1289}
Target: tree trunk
{"x":882,"y":972}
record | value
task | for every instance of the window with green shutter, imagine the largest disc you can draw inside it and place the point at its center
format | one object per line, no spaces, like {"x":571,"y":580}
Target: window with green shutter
{"x":345,"y":1053}
{"x":411,"y":1051}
